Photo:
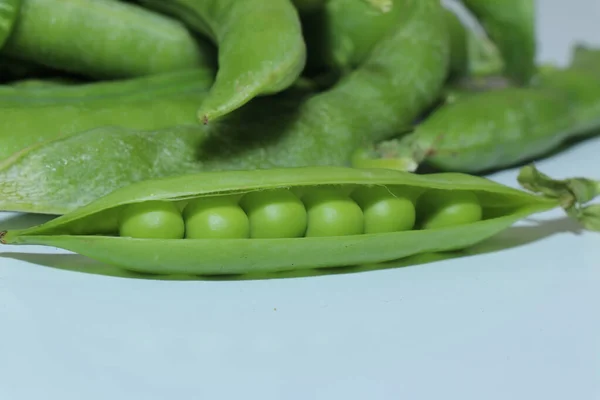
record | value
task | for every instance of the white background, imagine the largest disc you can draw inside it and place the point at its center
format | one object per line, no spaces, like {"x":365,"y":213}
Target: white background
{"x":519,"y":323}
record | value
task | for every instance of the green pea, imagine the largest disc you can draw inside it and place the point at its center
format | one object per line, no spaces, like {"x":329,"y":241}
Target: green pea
{"x":151,"y":220}
{"x":275,"y":214}
{"x":218,"y":217}
{"x":384,"y":211}
{"x":332,"y":213}
{"x":446,"y":208}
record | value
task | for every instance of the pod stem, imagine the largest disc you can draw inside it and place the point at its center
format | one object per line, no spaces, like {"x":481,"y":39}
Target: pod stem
{"x":573,"y":194}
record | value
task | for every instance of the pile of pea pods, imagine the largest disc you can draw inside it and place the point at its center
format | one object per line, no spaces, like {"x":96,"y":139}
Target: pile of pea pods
{"x":164,"y":132}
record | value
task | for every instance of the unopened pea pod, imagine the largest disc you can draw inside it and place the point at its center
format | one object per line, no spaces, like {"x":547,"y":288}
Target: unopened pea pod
{"x":103,"y":39}
{"x":342,"y":33}
{"x":472,"y":54}
{"x":260,"y":45}
{"x":511,"y":25}
{"x":335,"y":238}
{"x":483,"y":132}
{"x":9,"y":10}
{"x":42,"y":92}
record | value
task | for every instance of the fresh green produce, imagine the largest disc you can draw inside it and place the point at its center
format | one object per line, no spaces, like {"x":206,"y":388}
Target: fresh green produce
{"x":145,"y":231}
{"x":478,"y":133}
{"x":150,"y":103}
{"x":342,"y":33}
{"x":104,"y":39}
{"x":9,"y":10}
{"x":288,"y":130}
{"x":490,"y":130}
{"x":511,"y":25}
{"x":472,"y":54}
{"x":260,"y":44}
{"x":45,"y":92}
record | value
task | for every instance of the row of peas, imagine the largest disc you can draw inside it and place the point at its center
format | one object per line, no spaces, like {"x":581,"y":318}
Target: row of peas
{"x":282,"y":213}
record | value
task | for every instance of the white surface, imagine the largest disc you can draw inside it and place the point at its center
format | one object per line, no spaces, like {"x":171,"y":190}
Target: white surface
{"x":521,"y":323}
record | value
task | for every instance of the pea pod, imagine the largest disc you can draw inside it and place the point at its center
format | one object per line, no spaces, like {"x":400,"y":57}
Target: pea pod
{"x":260,"y":44}
{"x":342,"y":33}
{"x":96,"y":230}
{"x":74,"y":36}
{"x":9,"y":10}
{"x":150,"y":103}
{"x":511,"y":25}
{"x":53,"y":92}
{"x":472,"y":53}
{"x":500,"y":128}
{"x":286,"y":130}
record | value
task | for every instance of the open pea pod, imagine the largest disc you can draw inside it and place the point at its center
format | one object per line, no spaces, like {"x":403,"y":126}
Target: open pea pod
{"x":250,"y":221}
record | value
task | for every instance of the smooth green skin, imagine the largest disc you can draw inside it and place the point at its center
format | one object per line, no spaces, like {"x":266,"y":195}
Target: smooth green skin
{"x":332,"y":213}
{"x":104,"y":39}
{"x":151,"y":220}
{"x":443,"y":209}
{"x":230,"y":256}
{"x":215,"y":218}
{"x":9,"y":11}
{"x":138,"y":109}
{"x":341,"y":34}
{"x":402,"y":76}
{"x":484,"y":132}
{"x":581,"y":87}
{"x":471,"y":54}
{"x":44,"y":92}
{"x":275,"y":213}
{"x":385,"y":211}
{"x":511,"y":25}
{"x":260,"y":45}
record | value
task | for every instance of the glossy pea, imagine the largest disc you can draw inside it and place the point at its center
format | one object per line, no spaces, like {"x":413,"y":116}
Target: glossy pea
{"x":215,"y":218}
{"x":383,"y":210}
{"x":275,"y":213}
{"x":151,"y":220}
{"x":441,"y":209}
{"x":332,"y":213}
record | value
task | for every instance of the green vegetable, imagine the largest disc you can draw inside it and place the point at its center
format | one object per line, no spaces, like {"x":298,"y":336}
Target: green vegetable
{"x":501,"y":207}
{"x":215,"y":218}
{"x":260,"y":44}
{"x":384,"y":210}
{"x":487,"y":131}
{"x":332,"y":213}
{"x":103,"y":39}
{"x":346,"y":31}
{"x":472,"y":53}
{"x":510,"y":24}
{"x":151,"y":220}
{"x":52,"y":93}
{"x":287,"y":130}
{"x":441,"y":209}
{"x":9,"y":10}
{"x":149,"y":103}
{"x":275,"y":213}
